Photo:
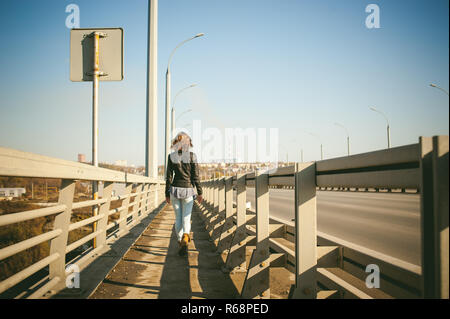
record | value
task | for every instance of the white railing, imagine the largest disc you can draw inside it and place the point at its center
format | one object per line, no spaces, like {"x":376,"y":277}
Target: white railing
{"x":142,"y":196}
{"x":324,"y":266}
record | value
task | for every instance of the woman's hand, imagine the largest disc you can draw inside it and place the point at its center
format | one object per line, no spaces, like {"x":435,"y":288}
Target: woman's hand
{"x":168,"y":200}
{"x":199,"y":199}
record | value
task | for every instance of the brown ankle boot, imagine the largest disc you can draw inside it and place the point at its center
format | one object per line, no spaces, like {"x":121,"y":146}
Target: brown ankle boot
{"x":183,"y":244}
{"x":185,"y":239}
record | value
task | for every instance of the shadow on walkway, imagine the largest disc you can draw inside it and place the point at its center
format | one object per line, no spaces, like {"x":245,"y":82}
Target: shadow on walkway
{"x":152,"y":267}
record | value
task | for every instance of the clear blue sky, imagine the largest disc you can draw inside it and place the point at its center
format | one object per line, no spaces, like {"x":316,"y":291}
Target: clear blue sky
{"x":296,"y":65}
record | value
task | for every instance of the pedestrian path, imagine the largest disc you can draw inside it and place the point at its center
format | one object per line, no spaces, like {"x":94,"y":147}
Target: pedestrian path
{"x":153,"y":269}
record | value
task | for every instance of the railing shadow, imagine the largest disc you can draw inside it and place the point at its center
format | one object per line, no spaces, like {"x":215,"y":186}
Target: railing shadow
{"x":197,"y":275}
{"x":91,"y":276}
{"x":152,"y":267}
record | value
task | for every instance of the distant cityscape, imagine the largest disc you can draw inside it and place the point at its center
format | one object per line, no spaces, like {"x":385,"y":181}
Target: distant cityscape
{"x":207,"y":170}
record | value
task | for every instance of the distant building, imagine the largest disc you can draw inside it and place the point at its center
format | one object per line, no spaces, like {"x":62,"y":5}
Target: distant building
{"x":11,"y":192}
{"x":81,"y":158}
{"x":120,"y":163}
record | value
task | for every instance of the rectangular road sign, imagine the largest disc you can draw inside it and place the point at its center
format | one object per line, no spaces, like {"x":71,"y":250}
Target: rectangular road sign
{"x":110,"y":54}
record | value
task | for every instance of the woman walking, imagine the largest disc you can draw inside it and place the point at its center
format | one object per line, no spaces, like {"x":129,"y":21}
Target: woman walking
{"x":181,"y":178}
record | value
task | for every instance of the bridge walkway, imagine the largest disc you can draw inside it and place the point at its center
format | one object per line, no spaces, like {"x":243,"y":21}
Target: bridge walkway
{"x":152,"y":267}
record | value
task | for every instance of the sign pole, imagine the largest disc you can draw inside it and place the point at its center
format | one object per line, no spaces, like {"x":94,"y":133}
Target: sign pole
{"x":85,"y":66}
{"x":95,"y":81}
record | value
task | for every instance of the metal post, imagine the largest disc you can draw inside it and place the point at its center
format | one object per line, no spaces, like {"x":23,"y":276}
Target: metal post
{"x":144,"y":200}
{"x":151,"y":145}
{"x":204,"y":204}
{"x":152,"y":198}
{"x":104,"y":210}
{"x":305,"y":232}
{"x":321,"y":152}
{"x":215,"y":206}
{"x":348,"y":145}
{"x":434,"y":216}
{"x":388,"y":136}
{"x":256,"y":284}
{"x":168,"y":105}
{"x":124,"y":209}
{"x":207,"y":194}
{"x":387,"y":122}
{"x":173,"y":121}
{"x":236,"y":256}
{"x":58,"y":245}
{"x":440,"y":212}
{"x":226,"y":233}
{"x":216,"y":196}
{"x":210,"y":195}
{"x":220,"y":219}
{"x":167,"y":134}
{"x":137,"y":203}
{"x":157,"y":187}
{"x":221,"y":195}
{"x":95,"y":77}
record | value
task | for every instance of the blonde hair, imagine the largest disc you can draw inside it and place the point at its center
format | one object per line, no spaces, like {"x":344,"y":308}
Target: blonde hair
{"x":181,"y":141}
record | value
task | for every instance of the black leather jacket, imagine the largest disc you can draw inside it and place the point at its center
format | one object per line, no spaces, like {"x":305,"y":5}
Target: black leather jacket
{"x":182,"y":172}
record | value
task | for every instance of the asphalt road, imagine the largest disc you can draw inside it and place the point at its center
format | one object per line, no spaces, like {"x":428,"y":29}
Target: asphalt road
{"x":385,"y":222}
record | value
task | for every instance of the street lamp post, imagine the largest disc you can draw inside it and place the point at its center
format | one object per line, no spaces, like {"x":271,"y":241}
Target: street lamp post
{"x":438,"y":87}
{"x":287,"y":154}
{"x":388,"y":127}
{"x":167,"y":136}
{"x":321,"y":145}
{"x":187,"y":111}
{"x":348,"y":137}
{"x":151,"y":145}
{"x":172,"y":127}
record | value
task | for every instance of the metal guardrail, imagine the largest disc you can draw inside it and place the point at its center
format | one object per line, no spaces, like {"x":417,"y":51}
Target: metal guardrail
{"x":322,"y":261}
{"x":147,"y":194}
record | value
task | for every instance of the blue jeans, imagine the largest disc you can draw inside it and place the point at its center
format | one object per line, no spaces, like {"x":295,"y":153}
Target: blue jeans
{"x":183,"y":210}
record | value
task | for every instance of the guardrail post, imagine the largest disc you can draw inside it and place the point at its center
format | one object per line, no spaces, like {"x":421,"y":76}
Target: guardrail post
{"x":210,"y":204}
{"x":211,"y":196}
{"x":214,"y":211}
{"x":208,"y":195}
{"x":207,"y":210}
{"x":256,"y":284}
{"x":305,"y":232}
{"x":434,"y":216}
{"x":62,"y":221}
{"x":226,"y":233}
{"x":151,"y":197}
{"x":161,"y":196}
{"x":215,"y":206}
{"x":137,"y":200}
{"x":124,"y":212}
{"x":220,"y":216}
{"x":205,"y":197}
{"x":206,"y":200}
{"x":104,"y":209}
{"x":145,"y":201}
{"x":203,"y":204}
{"x":157,"y":197}
{"x":236,"y":256}
{"x":216,"y":196}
